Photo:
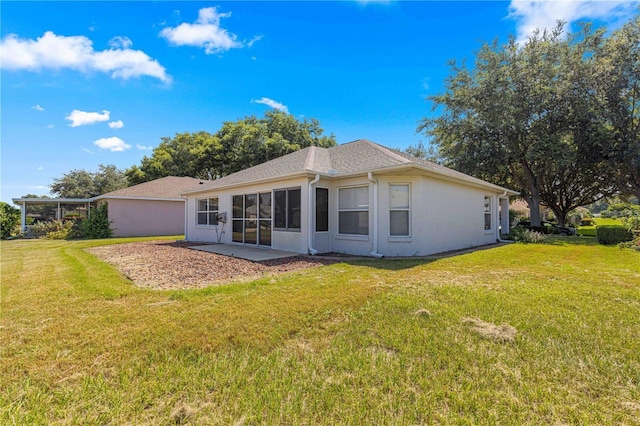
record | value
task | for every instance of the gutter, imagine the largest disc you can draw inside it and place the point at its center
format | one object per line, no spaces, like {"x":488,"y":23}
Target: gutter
{"x":375,"y":253}
{"x":312,"y":251}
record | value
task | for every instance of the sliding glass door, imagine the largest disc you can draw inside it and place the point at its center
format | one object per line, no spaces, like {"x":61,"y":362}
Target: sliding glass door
{"x":252,"y":219}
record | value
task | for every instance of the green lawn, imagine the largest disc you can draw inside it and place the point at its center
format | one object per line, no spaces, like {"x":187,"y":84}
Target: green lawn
{"x":334,"y":345}
{"x":590,"y":231}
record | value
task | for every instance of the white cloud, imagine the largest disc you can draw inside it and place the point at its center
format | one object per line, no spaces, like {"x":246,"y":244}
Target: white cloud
{"x":206,"y":32}
{"x":76,"y":53}
{"x":540,"y":14}
{"x":143,"y":147}
{"x":120,"y":42}
{"x":37,"y":107}
{"x":40,"y":168}
{"x":88,"y":151}
{"x":273,"y":104}
{"x":83,"y":118}
{"x":116,"y":124}
{"x":51,"y":126}
{"x":113,"y":144}
{"x":254,"y":40}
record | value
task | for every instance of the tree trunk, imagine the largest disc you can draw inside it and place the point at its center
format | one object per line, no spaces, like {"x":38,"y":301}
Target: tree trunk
{"x":534,"y":209}
{"x":534,"y":196}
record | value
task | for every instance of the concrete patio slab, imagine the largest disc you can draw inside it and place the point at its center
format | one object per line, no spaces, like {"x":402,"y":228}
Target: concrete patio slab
{"x":256,"y":254}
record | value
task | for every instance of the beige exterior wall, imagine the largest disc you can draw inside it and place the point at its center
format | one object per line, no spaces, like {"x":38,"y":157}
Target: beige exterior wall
{"x":295,"y":241}
{"x":443,"y":215}
{"x":138,"y":218}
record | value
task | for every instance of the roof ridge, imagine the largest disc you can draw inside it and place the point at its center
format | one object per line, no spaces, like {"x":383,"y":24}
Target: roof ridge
{"x":310,"y":158}
{"x":389,"y":152}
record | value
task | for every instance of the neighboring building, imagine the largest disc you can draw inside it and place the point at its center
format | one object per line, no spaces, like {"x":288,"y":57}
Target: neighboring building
{"x":357,"y":198}
{"x":149,"y":209}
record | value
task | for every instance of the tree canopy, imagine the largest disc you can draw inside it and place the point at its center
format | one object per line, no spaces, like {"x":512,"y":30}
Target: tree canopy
{"x":535,"y":117}
{"x":83,"y":184}
{"x":237,"y":145}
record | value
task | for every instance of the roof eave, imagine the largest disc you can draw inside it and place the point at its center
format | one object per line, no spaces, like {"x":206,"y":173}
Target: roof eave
{"x":252,"y":182}
{"x":133,"y":197}
{"x":51,"y":200}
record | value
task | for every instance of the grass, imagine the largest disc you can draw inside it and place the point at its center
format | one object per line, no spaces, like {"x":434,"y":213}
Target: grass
{"x":380,"y":341}
{"x":590,"y":231}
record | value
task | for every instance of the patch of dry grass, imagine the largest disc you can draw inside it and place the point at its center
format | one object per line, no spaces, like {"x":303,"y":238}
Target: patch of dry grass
{"x":503,"y":333}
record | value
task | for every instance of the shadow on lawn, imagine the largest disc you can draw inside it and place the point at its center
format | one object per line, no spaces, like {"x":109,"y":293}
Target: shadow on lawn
{"x":560,"y":240}
{"x":401,"y":263}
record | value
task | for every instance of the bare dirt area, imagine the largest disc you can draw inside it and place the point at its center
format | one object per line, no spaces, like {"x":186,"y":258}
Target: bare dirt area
{"x":165,"y":265}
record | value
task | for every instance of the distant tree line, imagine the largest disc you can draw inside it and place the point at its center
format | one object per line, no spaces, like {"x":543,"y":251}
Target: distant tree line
{"x":236,"y":146}
{"x":556,"y":118}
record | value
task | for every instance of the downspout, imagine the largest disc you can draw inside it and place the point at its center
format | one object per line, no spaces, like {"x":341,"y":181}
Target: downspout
{"x":498,"y":239}
{"x":312,"y":251}
{"x":186,"y":216}
{"x":375,"y":253}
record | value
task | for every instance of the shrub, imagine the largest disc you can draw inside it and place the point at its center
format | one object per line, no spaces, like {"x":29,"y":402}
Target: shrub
{"x":97,"y":225}
{"x":587,"y":221}
{"x":613,"y":234}
{"x":61,"y":233}
{"x":633,"y":225}
{"x":9,"y":220}
{"x":520,"y":234}
{"x":621,"y":210}
{"x":54,"y":230}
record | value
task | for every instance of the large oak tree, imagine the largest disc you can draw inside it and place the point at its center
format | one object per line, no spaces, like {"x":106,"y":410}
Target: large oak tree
{"x":532,"y":117}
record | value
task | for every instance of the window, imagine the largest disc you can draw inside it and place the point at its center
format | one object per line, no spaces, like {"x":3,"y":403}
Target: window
{"x":487,"y":214}
{"x":207,"y":211}
{"x":399,"y":210}
{"x":252,"y":219}
{"x":353,"y":210}
{"x":322,"y":209}
{"x":287,"y":211}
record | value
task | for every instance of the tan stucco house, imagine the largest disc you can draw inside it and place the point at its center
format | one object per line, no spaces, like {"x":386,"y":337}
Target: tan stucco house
{"x":358,"y":198}
{"x":151,"y":208}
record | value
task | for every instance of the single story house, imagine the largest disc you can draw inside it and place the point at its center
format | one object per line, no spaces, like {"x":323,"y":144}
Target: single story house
{"x":148,"y":209}
{"x":358,"y":198}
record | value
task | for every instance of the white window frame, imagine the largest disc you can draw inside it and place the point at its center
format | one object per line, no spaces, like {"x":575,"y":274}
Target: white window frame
{"x":398,"y":209}
{"x":341,"y":210}
{"x":208,"y":211}
{"x":488,"y":213}
{"x":287,"y":227}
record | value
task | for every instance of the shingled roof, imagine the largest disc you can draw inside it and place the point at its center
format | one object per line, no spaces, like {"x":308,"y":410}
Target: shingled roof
{"x":353,"y":158}
{"x":166,"y":188}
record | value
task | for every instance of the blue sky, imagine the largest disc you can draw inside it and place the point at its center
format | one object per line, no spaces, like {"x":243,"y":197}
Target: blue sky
{"x":89,"y":83}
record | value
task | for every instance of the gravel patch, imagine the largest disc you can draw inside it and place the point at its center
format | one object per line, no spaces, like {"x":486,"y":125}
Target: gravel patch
{"x":166,"y":265}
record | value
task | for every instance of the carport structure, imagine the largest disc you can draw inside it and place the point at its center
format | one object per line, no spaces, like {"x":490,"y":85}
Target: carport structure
{"x":46,"y":209}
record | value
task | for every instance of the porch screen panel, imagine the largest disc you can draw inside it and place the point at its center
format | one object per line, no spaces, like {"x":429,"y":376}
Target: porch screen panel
{"x":280,"y":209}
{"x":293,"y":209}
{"x":238,"y":222}
{"x":322,"y":209}
{"x":264,"y":214}
{"x":264,"y":232}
